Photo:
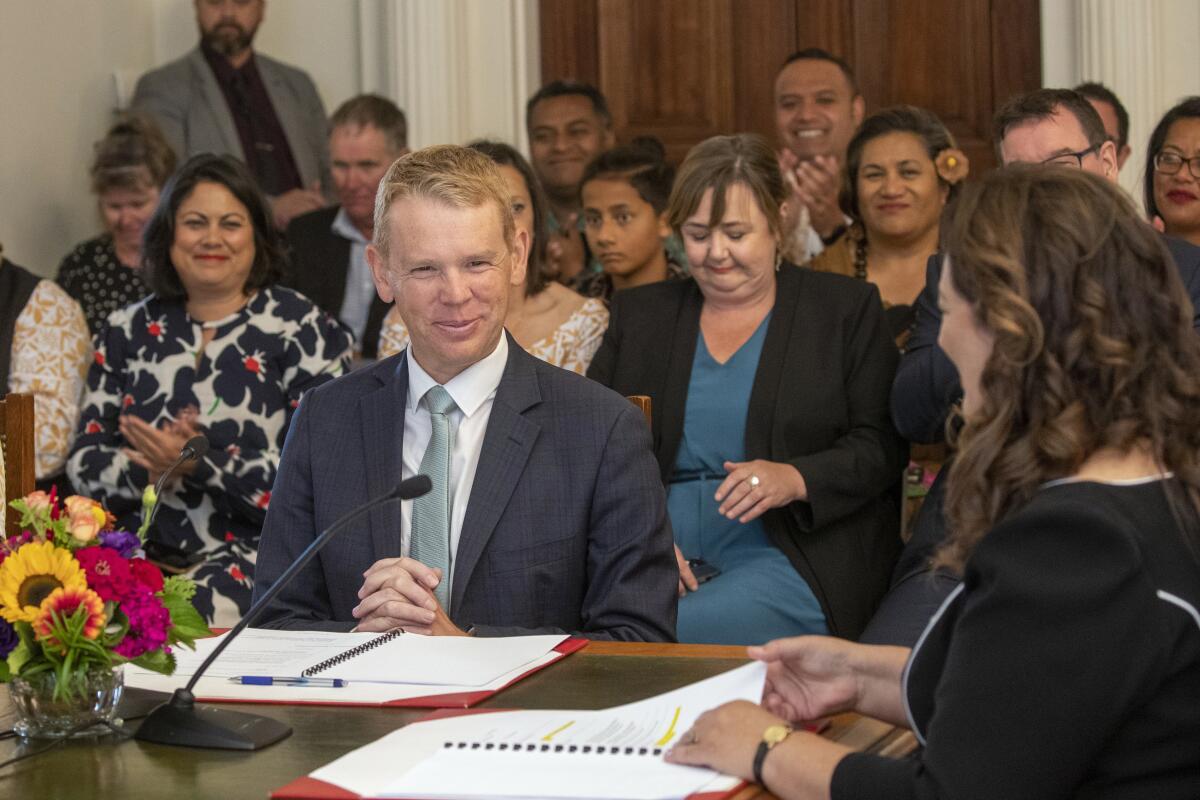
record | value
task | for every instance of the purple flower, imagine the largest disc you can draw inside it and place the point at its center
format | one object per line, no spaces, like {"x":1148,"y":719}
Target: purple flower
{"x":149,"y":622}
{"x":125,"y":543}
{"x":8,"y":638}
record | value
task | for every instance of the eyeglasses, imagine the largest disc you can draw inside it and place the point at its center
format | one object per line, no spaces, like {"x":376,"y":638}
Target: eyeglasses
{"x":1170,"y":163}
{"x":1071,"y":159}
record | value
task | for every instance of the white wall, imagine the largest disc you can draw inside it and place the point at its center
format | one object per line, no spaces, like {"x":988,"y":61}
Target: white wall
{"x":57,"y":92}
{"x":57,"y":96}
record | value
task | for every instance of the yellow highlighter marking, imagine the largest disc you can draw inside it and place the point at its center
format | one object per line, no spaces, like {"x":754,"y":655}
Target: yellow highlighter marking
{"x":670,"y":734}
{"x":550,"y":736}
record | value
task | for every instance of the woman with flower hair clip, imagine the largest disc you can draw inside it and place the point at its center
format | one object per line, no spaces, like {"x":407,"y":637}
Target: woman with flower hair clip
{"x":902,"y":168}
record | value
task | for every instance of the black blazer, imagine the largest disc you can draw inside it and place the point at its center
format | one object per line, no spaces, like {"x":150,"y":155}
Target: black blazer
{"x":819,"y":402}
{"x":317,"y":267}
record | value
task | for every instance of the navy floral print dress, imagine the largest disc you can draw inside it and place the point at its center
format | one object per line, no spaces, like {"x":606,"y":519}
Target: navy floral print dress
{"x":243,"y":389}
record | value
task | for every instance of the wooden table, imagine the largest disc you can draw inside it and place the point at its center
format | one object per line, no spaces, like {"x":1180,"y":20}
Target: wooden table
{"x":601,"y":675}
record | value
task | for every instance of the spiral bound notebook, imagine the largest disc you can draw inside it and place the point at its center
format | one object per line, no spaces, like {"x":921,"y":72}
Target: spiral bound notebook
{"x":345,"y":655}
{"x":571,"y":755}
{"x":393,"y":669}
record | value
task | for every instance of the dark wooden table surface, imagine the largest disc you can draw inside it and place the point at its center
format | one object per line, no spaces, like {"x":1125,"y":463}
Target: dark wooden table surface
{"x":601,"y":675}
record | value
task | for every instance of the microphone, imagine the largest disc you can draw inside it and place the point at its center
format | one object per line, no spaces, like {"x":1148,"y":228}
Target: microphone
{"x":194,"y":448}
{"x":179,"y":722}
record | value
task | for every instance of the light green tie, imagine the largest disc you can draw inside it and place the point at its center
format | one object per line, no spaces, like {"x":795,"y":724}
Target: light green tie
{"x":431,"y":513}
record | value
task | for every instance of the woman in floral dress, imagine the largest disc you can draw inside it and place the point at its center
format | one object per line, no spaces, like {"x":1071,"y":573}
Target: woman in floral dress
{"x":217,"y":349}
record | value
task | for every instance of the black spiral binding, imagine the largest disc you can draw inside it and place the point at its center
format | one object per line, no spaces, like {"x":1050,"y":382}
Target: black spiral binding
{"x":351,"y":653}
{"x":530,"y":747}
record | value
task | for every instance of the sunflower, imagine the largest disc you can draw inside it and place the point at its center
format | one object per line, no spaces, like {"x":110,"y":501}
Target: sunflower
{"x":61,"y":605}
{"x":28,"y":576}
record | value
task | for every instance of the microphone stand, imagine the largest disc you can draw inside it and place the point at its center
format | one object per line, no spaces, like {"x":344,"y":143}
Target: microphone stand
{"x":180,"y":722}
{"x":196,"y":447}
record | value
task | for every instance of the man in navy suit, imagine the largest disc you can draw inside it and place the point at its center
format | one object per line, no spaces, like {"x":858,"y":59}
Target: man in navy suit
{"x":547,"y":513}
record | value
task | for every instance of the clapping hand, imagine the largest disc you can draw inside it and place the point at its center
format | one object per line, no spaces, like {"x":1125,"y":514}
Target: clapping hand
{"x":157,"y":449}
{"x":815,"y":184}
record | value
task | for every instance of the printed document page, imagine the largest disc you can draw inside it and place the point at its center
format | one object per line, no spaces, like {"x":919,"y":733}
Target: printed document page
{"x":616,"y":752}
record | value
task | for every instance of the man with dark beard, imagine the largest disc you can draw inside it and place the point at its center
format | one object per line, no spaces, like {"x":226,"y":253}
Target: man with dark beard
{"x":222,"y":97}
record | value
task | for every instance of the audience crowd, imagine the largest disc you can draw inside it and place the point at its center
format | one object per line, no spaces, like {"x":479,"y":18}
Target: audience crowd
{"x":804,"y":317}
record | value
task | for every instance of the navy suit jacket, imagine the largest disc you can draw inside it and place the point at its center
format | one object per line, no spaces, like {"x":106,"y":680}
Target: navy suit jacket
{"x":565,"y":531}
{"x":926,"y":383}
{"x":318,"y":267}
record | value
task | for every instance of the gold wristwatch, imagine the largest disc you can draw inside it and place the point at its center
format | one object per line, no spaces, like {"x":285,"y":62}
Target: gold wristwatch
{"x":772,"y":736}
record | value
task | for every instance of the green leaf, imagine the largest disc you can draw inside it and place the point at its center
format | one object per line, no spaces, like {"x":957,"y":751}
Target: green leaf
{"x":179,"y":586}
{"x":186,"y":623}
{"x":157,"y":661}
{"x":5,"y":672}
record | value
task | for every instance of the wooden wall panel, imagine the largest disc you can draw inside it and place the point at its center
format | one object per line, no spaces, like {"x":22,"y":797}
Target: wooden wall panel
{"x":764,"y":33}
{"x":953,"y":78}
{"x":691,"y":97}
{"x":683,"y":70}
{"x":568,"y":40}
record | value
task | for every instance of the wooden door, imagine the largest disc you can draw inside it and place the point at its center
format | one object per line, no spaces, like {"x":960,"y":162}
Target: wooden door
{"x":684,"y":70}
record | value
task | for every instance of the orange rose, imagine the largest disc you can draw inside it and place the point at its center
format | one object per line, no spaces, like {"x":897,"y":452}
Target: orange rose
{"x":86,"y":518}
{"x":37,"y":501}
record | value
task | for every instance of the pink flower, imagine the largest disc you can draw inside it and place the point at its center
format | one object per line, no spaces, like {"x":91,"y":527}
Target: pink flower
{"x":108,"y":575}
{"x":149,"y":622}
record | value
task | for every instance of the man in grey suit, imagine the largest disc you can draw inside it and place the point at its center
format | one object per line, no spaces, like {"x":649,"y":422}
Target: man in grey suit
{"x":547,"y":512}
{"x":223,"y":98}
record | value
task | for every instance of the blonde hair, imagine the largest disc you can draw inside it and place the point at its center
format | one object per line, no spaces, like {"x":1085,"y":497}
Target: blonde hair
{"x":457,"y":176}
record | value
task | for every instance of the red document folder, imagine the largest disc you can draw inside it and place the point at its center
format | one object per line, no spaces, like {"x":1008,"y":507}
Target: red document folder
{"x":456,"y":700}
{"x":307,"y":788}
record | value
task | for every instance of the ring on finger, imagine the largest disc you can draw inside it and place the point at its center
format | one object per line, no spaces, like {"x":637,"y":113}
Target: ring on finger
{"x":754,"y":481}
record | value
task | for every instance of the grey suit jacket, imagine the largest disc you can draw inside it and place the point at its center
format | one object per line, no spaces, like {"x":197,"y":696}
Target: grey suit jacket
{"x":566,"y":527}
{"x":184,"y":99}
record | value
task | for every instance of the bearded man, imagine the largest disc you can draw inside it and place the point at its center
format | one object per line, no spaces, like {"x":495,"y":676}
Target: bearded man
{"x":222,"y":97}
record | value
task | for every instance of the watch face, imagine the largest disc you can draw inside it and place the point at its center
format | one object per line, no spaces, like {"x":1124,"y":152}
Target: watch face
{"x":776,"y":734}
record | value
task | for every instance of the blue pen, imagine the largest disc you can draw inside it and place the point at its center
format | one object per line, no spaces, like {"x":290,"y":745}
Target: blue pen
{"x":268,"y":680}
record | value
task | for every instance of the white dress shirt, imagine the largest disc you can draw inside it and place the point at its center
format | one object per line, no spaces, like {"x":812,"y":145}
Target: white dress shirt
{"x":360,"y":286}
{"x":473,"y":391}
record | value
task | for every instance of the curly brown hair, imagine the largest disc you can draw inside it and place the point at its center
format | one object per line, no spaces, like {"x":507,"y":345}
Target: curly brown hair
{"x":1093,"y":345}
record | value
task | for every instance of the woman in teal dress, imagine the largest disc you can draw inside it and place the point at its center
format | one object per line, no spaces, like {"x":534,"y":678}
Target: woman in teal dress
{"x":769,"y":387}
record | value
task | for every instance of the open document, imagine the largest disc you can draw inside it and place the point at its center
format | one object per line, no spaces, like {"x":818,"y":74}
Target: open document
{"x":614,"y":753}
{"x":374,"y":669}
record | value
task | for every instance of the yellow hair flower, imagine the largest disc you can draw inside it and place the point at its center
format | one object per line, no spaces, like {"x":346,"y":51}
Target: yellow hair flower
{"x":61,"y":605}
{"x":31,"y":574}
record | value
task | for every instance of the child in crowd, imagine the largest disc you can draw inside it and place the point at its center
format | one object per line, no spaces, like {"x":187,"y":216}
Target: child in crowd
{"x":625,"y":192}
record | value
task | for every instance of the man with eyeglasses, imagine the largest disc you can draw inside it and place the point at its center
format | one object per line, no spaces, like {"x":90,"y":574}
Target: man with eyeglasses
{"x":1047,"y":126}
{"x":1112,"y":113}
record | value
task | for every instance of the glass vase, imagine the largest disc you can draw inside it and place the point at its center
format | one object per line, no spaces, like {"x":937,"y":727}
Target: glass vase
{"x":90,"y":697}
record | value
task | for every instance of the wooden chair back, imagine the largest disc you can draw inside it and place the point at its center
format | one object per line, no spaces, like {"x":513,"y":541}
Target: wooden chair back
{"x":16,"y":442}
{"x":643,"y":402}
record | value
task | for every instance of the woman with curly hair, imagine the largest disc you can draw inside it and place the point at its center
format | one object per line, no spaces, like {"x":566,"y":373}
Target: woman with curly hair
{"x":1067,"y":663}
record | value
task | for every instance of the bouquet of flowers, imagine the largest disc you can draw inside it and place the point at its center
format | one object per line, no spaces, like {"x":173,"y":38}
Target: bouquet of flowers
{"x":78,"y":597}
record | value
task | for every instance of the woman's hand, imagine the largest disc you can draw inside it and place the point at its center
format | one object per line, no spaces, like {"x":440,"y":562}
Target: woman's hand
{"x":725,"y":739}
{"x":687,"y":581}
{"x":155,"y":449}
{"x":754,"y":487}
{"x":809,"y":677}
